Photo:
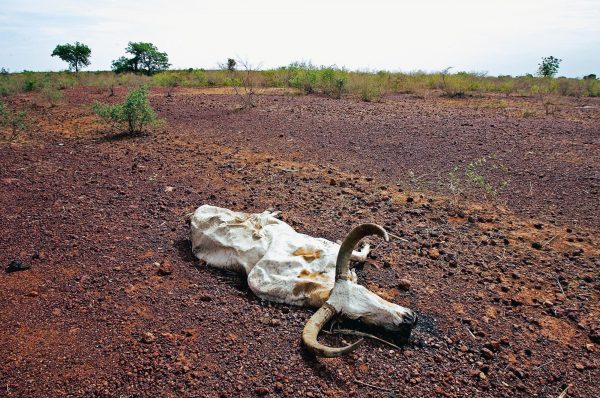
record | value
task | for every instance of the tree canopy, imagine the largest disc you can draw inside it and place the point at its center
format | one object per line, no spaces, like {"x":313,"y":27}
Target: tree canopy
{"x":145,"y":58}
{"x":549,"y":66}
{"x":75,"y":55}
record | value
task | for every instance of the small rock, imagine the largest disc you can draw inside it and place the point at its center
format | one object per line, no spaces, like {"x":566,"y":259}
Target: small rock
{"x":404,"y":284}
{"x":536,"y":245}
{"x":16,"y":265}
{"x":487,"y":353}
{"x":205,"y":297}
{"x":148,"y":338}
{"x":410,"y":200}
{"x":589,"y":347}
{"x":33,"y":293}
{"x":538,"y":226}
{"x":165,"y":268}
{"x":332,"y":182}
{"x":579,"y":366}
{"x":434,"y":253}
{"x":493,"y":345}
{"x":594,"y":335}
{"x":548,"y":303}
{"x":261,"y":391}
{"x":518,"y":372}
{"x":515,"y":302}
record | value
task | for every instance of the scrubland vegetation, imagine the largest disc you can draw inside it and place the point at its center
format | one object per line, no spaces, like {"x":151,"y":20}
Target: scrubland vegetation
{"x":306,"y":78}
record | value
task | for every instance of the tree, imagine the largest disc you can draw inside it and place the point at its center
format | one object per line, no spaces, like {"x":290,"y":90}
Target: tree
{"x":231,"y":64}
{"x":549,"y":66}
{"x":145,"y":58}
{"x":76,"y":55}
{"x":122,"y":65}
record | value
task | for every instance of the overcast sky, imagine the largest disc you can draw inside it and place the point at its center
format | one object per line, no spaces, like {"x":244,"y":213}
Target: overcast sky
{"x":497,"y":36}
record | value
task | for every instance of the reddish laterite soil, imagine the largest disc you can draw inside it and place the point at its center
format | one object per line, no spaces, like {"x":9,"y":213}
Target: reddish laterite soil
{"x":496,"y":203}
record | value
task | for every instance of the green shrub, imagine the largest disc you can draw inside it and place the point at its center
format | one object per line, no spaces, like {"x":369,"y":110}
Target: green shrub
{"x":303,"y":76}
{"x":195,"y":78}
{"x":29,"y":85}
{"x":169,"y":80}
{"x":332,"y":82}
{"x":134,"y":114}
{"x":14,"y":120}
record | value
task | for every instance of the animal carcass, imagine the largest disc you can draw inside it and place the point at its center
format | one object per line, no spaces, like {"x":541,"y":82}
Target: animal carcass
{"x":285,"y":266}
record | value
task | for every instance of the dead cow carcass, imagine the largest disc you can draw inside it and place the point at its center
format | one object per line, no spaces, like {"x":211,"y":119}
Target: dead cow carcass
{"x":285,"y":266}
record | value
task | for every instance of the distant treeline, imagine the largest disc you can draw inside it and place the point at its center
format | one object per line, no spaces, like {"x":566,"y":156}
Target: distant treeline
{"x":306,"y":78}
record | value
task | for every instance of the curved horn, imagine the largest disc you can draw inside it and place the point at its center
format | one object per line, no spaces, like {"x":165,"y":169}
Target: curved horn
{"x":313,"y":327}
{"x":343,"y":259}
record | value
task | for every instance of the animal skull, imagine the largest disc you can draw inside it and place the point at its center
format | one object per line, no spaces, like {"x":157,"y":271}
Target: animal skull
{"x":285,"y":266}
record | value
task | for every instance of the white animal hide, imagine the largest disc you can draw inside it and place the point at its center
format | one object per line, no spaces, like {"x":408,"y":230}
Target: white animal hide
{"x":285,"y":266}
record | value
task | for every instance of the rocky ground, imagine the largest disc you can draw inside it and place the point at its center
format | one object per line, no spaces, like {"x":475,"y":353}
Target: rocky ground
{"x":496,"y":218}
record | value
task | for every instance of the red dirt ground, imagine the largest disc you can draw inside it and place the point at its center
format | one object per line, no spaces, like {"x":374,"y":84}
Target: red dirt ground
{"x":96,"y":218}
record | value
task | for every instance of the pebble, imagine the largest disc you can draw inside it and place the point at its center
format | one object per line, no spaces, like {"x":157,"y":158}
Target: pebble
{"x":404,"y":284}
{"x":487,"y":353}
{"x":165,"y":268}
{"x":16,"y":265}
{"x":148,"y":338}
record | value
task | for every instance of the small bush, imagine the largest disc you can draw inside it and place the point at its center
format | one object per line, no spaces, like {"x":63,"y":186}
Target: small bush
{"x":303,"y":76}
{"x":528,"y":113}
{"x":169,"y":80}
{"x":368,"y":87}
{"x":134,"y":114}
{"x":29,"y":85}
{"x":195,"y":78}
{"x":332,"y":82}
{"x":14,"y":120}
{"x":51,"y":95}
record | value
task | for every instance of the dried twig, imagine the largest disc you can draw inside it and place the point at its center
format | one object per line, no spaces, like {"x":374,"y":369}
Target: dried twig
{"x":564,"y":393}
{"x":549,"y":240}
{"x":376,"y":387}
{"x":362,"y":334}
{"x":560,"y":286}
{"x":397,"y":237}
{"x":544,"y":364}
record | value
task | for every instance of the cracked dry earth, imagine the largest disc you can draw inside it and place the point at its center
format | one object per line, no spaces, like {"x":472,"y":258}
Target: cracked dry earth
{"x":114,"y":304}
